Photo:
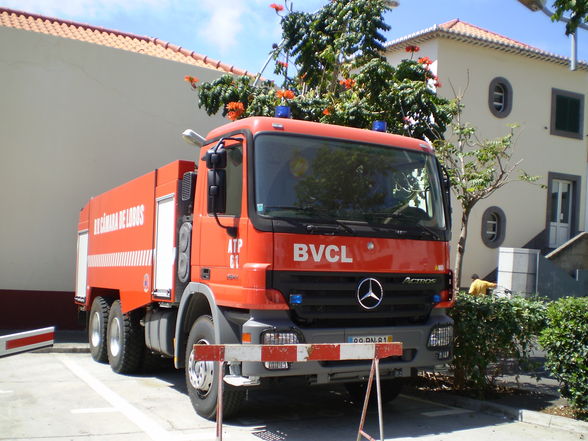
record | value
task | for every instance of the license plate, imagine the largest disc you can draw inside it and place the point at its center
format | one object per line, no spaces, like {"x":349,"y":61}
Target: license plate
{"x":370,"y":339}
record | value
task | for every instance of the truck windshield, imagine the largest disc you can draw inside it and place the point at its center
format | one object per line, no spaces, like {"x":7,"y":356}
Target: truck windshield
{"x":350,"y":183}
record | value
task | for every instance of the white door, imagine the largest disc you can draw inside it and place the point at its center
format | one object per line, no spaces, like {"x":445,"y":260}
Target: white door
{"x":561,"y":212}
{"x":82,"y":266}
{"x":164,"y":247}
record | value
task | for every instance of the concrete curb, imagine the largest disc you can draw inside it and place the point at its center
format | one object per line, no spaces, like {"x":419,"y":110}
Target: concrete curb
{"x":65,"y":348}
{"x":522,"y":415}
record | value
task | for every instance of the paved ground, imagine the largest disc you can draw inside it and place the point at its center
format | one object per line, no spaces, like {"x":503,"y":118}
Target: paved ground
{"x":67,"y":396}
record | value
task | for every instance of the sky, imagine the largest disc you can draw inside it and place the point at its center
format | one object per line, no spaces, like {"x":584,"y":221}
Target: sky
{"x":241,"y":32}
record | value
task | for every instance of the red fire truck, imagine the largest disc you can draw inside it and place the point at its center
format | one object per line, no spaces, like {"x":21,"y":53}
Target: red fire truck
{"x":283,"y":232}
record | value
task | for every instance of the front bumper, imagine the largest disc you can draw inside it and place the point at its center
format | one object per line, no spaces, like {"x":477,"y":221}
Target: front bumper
{"x":414,"y":339}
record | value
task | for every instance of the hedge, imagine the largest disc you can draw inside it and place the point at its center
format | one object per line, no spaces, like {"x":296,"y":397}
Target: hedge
{"x":566,"y":342}
{"x":489,"y":330}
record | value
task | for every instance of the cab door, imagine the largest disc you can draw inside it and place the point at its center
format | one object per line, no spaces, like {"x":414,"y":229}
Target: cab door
{"x":223,"y":237}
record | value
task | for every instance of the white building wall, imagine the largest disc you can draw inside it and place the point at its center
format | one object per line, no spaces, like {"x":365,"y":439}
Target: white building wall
{"x":75,"y":120}
{"x":467,"y":70}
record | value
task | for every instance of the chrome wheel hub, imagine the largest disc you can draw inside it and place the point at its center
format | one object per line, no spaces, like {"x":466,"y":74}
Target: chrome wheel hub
{"x":115,"y":335}
{"x":95,"y":329}
{"x":201,"y":373}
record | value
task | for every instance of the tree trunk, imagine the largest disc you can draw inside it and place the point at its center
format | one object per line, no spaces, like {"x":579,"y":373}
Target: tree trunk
{"x":461,"y":243}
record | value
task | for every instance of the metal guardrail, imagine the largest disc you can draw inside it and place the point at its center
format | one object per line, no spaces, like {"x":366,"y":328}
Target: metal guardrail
{"x":26,"y":341}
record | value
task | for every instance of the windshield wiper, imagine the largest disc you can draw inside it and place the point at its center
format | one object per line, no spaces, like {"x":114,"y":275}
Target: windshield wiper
{"x":403,"y":225}
{"x":426,"y":231}
{"x":332,"y":229}
{"x":284,"y":207}
{"x":318,"y":216}
{"x":326,"y":217}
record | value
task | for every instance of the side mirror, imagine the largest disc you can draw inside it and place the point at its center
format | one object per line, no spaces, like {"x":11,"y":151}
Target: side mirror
{"x":446,"y":182}
{"x":216,"y":157}
{"x":217,"y":191}
{"x":216,"y":162}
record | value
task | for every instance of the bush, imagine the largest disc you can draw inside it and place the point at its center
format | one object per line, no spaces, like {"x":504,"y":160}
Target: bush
{"x":489,"y":330}
{"x":566,"y":342}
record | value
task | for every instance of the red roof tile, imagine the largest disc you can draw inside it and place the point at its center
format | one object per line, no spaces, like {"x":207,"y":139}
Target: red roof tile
{"x":111,"y":38}
{"x":460,"y":27}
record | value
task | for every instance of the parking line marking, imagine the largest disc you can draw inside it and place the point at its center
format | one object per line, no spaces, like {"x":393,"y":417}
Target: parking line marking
{"x":448,"y":410}
{"x":146,"y":424}
{"x":94,"y":410}
{"x":438,"y":413}
{"x":425,"y":401}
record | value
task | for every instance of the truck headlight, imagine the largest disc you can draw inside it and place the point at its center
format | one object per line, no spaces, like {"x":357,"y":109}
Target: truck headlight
{"x":441,"y":337}
{"x":274,"y":337}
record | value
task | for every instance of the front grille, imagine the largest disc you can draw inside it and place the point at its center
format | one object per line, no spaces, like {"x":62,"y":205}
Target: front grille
{"x":330,"y":299}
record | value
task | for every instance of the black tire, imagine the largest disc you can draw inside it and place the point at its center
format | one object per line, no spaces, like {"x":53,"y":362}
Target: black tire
{"x":125,"y":341}
{"x":390,"y":390}
{"x":97,"y":325}
{"x":202,"y":376}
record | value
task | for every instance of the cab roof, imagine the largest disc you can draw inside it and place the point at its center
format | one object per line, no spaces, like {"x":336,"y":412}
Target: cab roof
{"x":263,"y":124}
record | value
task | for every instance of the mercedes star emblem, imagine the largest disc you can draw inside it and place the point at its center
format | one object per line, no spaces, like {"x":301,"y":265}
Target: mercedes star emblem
{"x":370,"y":293}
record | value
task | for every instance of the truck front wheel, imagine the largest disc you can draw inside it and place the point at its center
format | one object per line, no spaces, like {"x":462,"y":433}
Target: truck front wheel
{"x":202,"y":376}
{"x":97,"y":329}
{"x":125,"y":348}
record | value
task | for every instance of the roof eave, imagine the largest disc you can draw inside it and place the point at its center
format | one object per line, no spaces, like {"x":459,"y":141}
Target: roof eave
{"x":205,"y":60}
{"x":436,"y":32}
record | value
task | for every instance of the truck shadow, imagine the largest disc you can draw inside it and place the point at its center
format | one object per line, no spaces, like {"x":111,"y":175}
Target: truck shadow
{"x":327,"y":413}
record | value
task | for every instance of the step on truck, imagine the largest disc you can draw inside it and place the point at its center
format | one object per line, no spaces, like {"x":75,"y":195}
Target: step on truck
{"x":282,"y":232}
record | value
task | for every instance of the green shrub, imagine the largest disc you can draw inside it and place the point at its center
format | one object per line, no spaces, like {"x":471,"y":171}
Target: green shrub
{"x":489,"y":330}
{"x":566,"y":342}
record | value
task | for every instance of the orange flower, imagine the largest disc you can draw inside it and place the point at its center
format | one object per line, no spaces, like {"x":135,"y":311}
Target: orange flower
{"x":276,"y":7}
{"x":347,"y":82}
{"x":327,"y":112}
{"x":285,"y":94}
{"x":191,"y":80}
{"x":235,"y":110}
{"x":283,"y":63}
{"x":425,"y":60}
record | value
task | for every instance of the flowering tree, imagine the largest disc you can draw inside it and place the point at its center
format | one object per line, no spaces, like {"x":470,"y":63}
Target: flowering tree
{"x":333,"y":72}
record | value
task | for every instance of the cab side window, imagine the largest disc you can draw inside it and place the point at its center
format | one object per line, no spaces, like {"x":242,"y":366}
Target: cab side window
{"x":234,"y":181}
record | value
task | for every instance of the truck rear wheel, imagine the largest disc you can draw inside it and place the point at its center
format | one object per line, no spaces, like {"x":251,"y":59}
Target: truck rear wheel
{"x":125,"y":348}
{"x":390,"y":390}
{"x":97,"y":325}
{"x":202,"y":376}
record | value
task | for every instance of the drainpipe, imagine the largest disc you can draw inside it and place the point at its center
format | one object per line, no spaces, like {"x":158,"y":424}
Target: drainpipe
{"x":574,"y":56}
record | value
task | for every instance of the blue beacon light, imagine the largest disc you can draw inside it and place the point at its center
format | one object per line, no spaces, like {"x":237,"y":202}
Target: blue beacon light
{"x":282,"y":112}
{"x":379,"y":126}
